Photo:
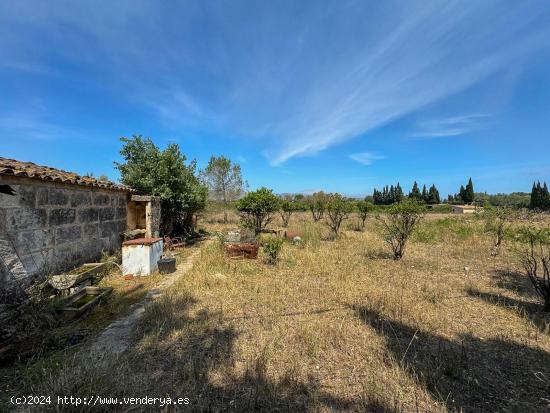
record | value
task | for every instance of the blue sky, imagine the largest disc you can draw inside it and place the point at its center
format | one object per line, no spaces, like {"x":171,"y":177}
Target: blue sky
{"x":336,"y":95}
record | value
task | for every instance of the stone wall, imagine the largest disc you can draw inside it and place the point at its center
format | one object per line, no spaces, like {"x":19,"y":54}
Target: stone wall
{"x":49,"y":227}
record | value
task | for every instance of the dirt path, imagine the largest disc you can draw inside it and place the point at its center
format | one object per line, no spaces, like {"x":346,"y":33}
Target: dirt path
{"x":117,"y":337}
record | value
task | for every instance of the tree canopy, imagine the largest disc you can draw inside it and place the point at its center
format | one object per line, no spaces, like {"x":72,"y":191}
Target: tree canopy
{"x":163,"y":173}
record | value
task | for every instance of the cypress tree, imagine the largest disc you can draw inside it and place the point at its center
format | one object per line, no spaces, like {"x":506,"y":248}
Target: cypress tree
{"x":462,"y":194}
{"x":469,"y":194}
{"x":398,"y":193}
{"x":433,"y":196}
{"x":545,"y":197}
{"x":415,"y":192}
{"x":424,"y":194}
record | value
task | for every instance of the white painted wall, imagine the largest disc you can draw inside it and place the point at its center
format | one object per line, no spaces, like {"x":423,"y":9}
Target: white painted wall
{"x":141,"y":259}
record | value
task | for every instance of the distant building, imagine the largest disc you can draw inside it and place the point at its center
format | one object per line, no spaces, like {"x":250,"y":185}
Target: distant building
{"x":464,"y":209}
{"x":52,"y":220}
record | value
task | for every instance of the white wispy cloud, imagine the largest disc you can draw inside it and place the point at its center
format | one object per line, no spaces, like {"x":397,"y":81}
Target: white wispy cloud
{"x":450,"y":126}
{"x":365,"y":158}
{"x":297,"y":78}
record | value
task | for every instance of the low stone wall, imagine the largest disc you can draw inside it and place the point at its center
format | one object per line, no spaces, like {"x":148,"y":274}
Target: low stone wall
{"x":49,"y":227}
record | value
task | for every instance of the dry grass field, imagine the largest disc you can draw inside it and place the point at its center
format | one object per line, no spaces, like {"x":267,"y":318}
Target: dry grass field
{"x":334,"y":326}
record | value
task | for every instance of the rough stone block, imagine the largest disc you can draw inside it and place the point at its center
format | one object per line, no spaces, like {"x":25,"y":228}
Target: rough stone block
{"x":88,"y":215}
{"x":90,"y":231}
{"x":68,"y":256}
{"x":101,"y":199}
{"x":81,"y":198}
{"x":62,"y":216}
{"x":120,"y":213}
{"x":42,"y":196}
{"x":106,"y":214}
{"x":25,"y":197}
{"x":108,"y":228}
{"x":22,"y":218}
{"x":39,"y":263}
{"x":57,"y":196}
{"x":122,"y":201}
{"x":68,"y":234}
{"x":121,"y":226}
{"x":34,"y":240}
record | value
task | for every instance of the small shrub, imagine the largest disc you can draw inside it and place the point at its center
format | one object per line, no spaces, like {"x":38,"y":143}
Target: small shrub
{"x":398,"y":224}
{"x":272,"y":247}
{"x":498,"y":222}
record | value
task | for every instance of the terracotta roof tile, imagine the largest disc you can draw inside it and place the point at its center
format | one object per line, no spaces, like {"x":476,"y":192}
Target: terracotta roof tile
{"x":12,"y":167}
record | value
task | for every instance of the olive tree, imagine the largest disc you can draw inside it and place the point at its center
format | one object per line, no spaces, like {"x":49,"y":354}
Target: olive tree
{"x":317,"y":203}
{"x":534,"y":256}
{"x":397,"y":225}
{"x":337,"y":209}
{"x":288,"y":205}
{"x":257,"y":209}
{"x":224,"y":181}
{"x":364,"y":208}
{"x":163,"y":173}
{"x":498,"y":221}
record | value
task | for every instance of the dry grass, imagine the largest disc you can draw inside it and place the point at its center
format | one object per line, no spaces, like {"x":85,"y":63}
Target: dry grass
{"x":336,"y":325}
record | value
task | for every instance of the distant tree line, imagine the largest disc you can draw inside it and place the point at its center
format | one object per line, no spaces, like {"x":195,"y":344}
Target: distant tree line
{"x":394,"y":194}
{"x":388,"y":195}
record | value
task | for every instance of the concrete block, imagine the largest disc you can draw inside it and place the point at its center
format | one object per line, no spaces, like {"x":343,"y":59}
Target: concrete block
{"x":62,"y":216}
{"x":88,"y":215}
{"x":58,"y":196}
{"x":68,"y":234}
{"x":81,"y":198}
{"x":141,"y":259}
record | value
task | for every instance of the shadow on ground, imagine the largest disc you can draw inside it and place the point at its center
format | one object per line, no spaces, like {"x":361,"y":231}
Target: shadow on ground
{"x":181,"y":353}
{"x":531,"y":310}
{"x":515,"y":281}
{"x":469,"y":374}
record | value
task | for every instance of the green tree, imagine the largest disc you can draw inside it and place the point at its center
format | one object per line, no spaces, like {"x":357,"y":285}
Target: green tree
{"x":338,"y":209}
{"x":163,"y":173}
{"x":317,"y":203}
{"x":415,"y":193}
{"x":424,"y":194}
{"x":224,"y":181}
{"x":469,"y":194}
{"x":398,"y":224}
{"x":433,"y":196}
{"x":257,"y":209}
{"x":364,"y":208}
{"x":288,"y":205}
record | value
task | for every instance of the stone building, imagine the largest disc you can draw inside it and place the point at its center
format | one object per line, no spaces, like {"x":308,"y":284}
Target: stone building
{"x":52,"y":220}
